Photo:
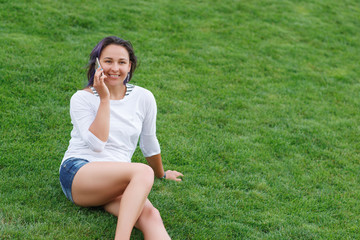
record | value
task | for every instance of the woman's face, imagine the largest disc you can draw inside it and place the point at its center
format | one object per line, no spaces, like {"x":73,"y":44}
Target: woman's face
{"x":115,"y":62}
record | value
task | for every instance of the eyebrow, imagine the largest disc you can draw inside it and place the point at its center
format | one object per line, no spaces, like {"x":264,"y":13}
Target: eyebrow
{"x":120,"y":58}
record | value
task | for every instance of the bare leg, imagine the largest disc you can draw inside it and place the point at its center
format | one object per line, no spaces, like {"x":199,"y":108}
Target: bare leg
{"x":149,"y":221}
{"x":99,"y":183}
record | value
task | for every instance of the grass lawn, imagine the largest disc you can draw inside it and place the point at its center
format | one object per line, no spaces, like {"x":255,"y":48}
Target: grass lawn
{"x":258,"y":107}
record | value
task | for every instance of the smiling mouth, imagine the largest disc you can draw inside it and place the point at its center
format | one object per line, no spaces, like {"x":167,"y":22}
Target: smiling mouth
{"x":114,"y":76}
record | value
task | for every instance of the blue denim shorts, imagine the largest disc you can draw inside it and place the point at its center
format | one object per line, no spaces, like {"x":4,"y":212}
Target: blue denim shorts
{"x":68,"y":169}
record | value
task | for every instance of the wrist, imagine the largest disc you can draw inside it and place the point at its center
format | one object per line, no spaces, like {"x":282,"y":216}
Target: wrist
{"x":105,"y":100}
{"x":163,"y":177}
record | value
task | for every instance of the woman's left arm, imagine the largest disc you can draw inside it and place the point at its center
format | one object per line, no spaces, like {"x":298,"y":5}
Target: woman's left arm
{"x":155,"y":163}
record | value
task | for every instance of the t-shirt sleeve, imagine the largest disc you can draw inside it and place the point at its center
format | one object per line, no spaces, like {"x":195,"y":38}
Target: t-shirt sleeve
{"x":82,"y":115}
{"x":149,"y":143}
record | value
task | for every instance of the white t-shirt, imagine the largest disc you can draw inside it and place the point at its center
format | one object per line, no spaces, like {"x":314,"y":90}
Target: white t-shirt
{"x":132,"y":117}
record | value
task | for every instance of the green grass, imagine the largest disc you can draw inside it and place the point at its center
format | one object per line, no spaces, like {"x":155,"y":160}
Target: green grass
{"x":258,"y":106}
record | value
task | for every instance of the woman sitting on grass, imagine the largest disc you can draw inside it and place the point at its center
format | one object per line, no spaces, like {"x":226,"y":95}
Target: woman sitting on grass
{"x":108,"y":118}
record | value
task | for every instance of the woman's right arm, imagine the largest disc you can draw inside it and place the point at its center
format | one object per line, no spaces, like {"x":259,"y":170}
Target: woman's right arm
{"x":91,"y":124}
{"x":101,"y":124}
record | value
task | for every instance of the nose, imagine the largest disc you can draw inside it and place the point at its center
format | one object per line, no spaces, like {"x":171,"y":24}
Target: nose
{"x":115,"y":67}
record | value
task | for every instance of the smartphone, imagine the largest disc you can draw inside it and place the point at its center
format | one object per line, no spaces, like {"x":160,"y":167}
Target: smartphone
{"x":97,"y":64}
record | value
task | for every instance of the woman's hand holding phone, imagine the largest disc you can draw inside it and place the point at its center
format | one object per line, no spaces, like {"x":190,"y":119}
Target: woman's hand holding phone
{"x":99,"y":83}
{"x":101,"y":124}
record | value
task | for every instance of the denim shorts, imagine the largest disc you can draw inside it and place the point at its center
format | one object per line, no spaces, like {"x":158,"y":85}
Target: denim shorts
{"x":68,"y":169}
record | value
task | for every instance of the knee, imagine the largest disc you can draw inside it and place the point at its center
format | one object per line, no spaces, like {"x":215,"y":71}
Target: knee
{"x":151,"y":214}
{"x":145,"y":174}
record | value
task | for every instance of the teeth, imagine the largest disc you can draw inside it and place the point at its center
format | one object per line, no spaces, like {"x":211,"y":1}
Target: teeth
{"x":114,"y":75}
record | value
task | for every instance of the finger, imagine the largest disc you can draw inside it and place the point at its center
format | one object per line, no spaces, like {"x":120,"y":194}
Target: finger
{"x":178,"y":173}
{"x":99,"y":72}
{"x":103,"y":76}
{"x":97,"y":76}
{"x":177,"y":176}
{"x":171,"y":177}
{"x":175,"y":171}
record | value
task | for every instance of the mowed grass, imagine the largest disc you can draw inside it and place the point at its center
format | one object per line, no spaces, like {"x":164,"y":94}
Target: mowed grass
{"x":258,"y":107}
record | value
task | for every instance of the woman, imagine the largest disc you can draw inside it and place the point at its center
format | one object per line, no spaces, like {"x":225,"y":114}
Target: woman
{"x":109,"y":116}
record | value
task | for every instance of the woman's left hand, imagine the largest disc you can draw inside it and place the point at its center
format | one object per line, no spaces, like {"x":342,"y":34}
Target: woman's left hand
{"x":174,"y":175}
